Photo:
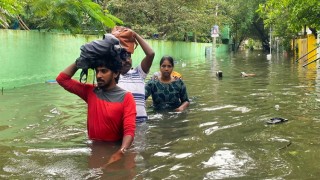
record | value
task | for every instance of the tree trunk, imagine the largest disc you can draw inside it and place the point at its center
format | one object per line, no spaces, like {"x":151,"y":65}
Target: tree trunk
{"x":263,"y":37}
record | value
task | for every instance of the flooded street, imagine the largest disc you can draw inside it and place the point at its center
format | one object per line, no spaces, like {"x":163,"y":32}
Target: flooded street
{"x":222,"y":135}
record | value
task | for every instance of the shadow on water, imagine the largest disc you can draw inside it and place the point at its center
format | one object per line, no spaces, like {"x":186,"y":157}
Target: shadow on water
{"x":222,"y":135}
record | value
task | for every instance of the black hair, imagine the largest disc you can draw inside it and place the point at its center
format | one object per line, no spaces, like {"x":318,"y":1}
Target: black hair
{"x":124,"y":54}
{"x":110,"y":62}
{"x":169,"y":58}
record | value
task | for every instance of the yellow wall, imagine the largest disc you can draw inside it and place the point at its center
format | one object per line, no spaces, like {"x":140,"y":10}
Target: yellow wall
{"x":312,"y":44}
{"x":305,"y":46}
{"x":303,"y":49}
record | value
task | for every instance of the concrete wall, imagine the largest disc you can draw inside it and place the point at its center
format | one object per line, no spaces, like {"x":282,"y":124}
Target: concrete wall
{"x":28,"y":57}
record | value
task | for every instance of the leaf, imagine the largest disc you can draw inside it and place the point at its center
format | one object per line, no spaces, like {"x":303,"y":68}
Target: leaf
{"x":293,"y":153}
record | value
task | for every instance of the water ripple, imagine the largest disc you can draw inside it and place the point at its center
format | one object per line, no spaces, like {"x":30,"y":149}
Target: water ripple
{"x":216,"y":128}
{"x":229,"y":164}
{"x":183,"y":155}
{"x":217,"y":108}
{"x":62,"y":151}
{"x":162,"y":154}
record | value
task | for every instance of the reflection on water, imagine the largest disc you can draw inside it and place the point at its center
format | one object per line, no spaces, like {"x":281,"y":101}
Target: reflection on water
{"x":222,"y":135}
{"x":228,"y":164}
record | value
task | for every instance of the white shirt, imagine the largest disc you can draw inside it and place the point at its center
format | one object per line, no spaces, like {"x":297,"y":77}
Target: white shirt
{"x":133,"y":81}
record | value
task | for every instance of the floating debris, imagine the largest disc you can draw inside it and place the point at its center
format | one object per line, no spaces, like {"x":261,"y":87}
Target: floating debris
{"x":277,"y":120}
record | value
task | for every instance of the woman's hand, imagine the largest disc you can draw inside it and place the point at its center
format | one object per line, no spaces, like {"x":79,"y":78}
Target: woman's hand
{"x":179,"y":109}
{"x":182,"y":107}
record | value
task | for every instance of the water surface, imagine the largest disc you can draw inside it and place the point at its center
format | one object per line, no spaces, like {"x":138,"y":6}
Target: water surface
{"x":222,"y":135}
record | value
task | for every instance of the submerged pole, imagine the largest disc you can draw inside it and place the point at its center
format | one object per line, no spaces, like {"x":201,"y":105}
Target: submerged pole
{"x":270,"y":40}
{"x":213,"y":46}
{"x":270,"y":45}
{"x":2,"y":90}
{"x":214,"y":35}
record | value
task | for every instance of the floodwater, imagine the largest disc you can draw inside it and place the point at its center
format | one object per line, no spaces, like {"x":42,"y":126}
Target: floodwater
{"x":222,"y":135}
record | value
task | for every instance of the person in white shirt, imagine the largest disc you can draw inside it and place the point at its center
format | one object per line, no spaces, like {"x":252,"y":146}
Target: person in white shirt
{"x":133,"y":79}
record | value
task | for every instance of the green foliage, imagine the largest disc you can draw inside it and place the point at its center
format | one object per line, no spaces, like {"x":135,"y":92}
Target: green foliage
{"x":75,"y":16}
{"x":9,"y":9}
{"x":251,"y":42}
{"x":288,"y":17}
{"x":295,"y":14}
{"x":173,"y":19}
{"x":71,"y":15}
{"x":170,"y":19}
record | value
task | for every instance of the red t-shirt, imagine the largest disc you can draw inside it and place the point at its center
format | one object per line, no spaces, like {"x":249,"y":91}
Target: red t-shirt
{"x":106,"y":121}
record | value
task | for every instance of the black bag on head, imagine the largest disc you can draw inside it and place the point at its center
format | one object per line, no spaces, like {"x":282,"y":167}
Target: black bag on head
{"x":97,"y":49}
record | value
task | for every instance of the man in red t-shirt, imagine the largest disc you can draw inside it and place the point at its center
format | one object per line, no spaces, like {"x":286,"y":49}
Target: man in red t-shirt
{"x":111,"y":110}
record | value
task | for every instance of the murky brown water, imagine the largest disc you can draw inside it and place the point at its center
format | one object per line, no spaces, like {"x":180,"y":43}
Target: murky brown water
{"x":223,"y":135}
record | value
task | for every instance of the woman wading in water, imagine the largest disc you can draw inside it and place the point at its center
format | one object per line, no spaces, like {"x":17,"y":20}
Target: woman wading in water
{"x":167,"y":92}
